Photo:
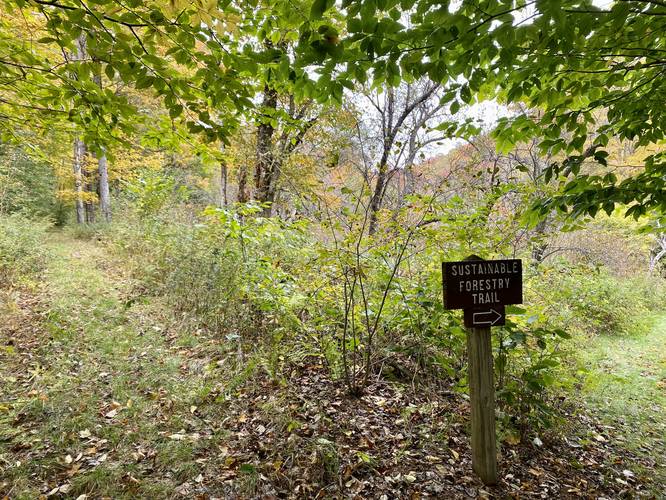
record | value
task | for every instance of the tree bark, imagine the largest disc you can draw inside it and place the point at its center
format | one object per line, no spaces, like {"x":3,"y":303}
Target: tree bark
{"x":270,"y":188}
{"x":89,"y":188}
{"x":104,"y":196}
{"x":265,"y":161}
{"x":243,"y":194}
{"x":539,"y":246}
{"x":79,"y":149}
{"x":223,"y":183}
{"x":272,"y":153}
{"x":658,"y":253}
{"x":377,"y":195}
{"x":103,"y":174}
{"x":410,"y":181}
{"x":88,"y":177}
{"x":79,"y":159}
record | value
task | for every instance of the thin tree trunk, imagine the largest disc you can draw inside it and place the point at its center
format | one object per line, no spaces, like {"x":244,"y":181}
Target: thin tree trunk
{"x":539,"y":246}
{"x":223,"y":183}
{"x":79,"y":147}
{"x":377,"y":195}
{"x":658,"y":253}
{"x":90,"y":189}
{"x":79,"y":159}
{"x":410,"y":181}
{"x":655,"y":260}
{"x":271,"y":188}
{"x":103,"y":174}
{"x":389,"y":132}
{"x":243,"y":194}
{"x":104,"y":197}
{"x":88,"y":181}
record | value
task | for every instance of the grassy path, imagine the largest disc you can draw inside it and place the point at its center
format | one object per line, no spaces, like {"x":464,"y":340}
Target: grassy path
{"x":626,"y":388}
{"x":95,"y":399}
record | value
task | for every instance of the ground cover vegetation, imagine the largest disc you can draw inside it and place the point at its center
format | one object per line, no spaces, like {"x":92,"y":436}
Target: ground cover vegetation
{"x":221,"y":233}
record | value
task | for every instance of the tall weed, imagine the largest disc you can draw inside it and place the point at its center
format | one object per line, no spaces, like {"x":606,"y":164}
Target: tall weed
{"x":22,"y":253}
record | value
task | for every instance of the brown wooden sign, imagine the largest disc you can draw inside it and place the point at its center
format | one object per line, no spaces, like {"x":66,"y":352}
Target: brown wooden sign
{"x":482,"y":284}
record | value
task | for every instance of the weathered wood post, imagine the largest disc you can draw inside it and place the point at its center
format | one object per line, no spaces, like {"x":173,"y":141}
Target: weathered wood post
{"x":482,"y":288}
{"x":482,"y":402}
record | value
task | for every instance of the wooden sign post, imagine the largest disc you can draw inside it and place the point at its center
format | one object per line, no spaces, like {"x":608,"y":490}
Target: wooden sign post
{"x":482,"y":399}
{"x":482,"y":288}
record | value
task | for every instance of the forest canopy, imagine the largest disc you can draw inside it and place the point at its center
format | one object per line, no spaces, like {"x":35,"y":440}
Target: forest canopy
{"x":574,"y":74}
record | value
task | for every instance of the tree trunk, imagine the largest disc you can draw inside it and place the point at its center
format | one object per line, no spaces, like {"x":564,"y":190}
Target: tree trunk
{"x":378,"y":194}
{"x":89,"y":187}
{"x":223,"y":184}
{"x":539,"y":246}
{"x":80,"y":148}
{"x":410,"y":181}
{"x":658,"y":253}
{"x":271,"y":188}
{"x":654,"y":260}
{"x":104,"y":197}
{"x":79,"y":160}
{"x":103,"y":174}
{"x":265,"y":164}
{"x":243,"y":194}
{"x":272,"y":153}
{"x":88,"y":177}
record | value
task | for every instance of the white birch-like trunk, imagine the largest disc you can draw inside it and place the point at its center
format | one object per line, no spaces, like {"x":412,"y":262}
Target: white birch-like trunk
{"x":104,"y":197}
{"x":79,"y":159}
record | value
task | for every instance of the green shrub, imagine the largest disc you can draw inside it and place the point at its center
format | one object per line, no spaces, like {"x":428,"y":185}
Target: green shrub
{"x":21,"y":248}
{"x":29,"y":186}
{"x":529,"y":355}
{"x":590,"y":300}
{"x":230,"y":272}
{"x":153,"y":192}
{"x":562,"y":301}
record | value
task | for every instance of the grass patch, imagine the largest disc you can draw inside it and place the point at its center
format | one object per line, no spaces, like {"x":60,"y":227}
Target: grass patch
{"x":97,"y":401}
{"x":624,"y":382}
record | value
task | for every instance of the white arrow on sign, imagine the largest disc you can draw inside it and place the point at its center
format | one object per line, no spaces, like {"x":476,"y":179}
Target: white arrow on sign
{"x":486,"y":317}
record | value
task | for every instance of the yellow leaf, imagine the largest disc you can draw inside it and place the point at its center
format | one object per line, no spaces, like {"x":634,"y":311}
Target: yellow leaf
{"x":512,"y":439}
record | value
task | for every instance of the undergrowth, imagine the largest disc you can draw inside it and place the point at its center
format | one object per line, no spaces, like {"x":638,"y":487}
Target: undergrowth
{"x":277,"y":290}
{"x":22,"y":253}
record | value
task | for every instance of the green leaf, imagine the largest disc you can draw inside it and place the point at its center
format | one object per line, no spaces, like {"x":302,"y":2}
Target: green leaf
{"x":455,"y":107}
{"x":175,"y":111}
{"x":319,"y":7}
